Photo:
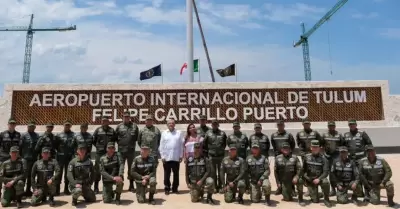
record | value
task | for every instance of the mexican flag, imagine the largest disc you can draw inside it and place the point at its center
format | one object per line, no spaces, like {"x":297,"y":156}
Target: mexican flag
{"x":195,"y":66}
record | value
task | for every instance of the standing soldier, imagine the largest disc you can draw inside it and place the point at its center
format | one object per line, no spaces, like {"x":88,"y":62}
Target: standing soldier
{"x":151,"y":136}
{"x":65,"y":152}
{"x":344,"y":173}
{"x":356,"y":141}
{"x":203,"y":128}
{"x":316,"y":170}
{"x":281,"y":136}
{"x":80,"y":176}
{"x":288,"y":173}
{"x":27,"y":147}
{"x":239,"y":140}
{"x":47,"y":140}
{"x":375,"y":173}
{"x":214,"y":144}
{"x":144,"y":173}
{"x":235,"y":168}
{"x":259,"y":171}
{"x":197,"y":171}
{"x":331,"y":141}
{"x":261,"y":139}
{"x":83,"y":137}
{"x":127,"y":135}
{"x":12,"y":175}
{"x":101,"y":136}
{"x":112,"y":171}
{"x":305,"y":137}
{"x":45,"y":175}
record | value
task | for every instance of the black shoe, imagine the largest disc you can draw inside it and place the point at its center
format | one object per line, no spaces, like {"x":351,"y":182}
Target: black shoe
{"x":167,"y":192}
{"x":391,"y":203}
{"x":175,"y":191}
{"x":151,"y":199}
{"x":267,"y":200}
{"x":209,"y":199}
{"x":74,"y":202}
{"x":51,"y":202}
{"x":327,"y":203}
{"x":240,"y":200}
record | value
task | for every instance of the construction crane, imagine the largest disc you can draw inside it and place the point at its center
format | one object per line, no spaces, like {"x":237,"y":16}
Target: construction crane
{"x":28,"y":46}
{"x":304,"y":38}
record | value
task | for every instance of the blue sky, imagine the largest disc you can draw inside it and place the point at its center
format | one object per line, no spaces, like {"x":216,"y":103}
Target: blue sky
{"x":117,"y":39}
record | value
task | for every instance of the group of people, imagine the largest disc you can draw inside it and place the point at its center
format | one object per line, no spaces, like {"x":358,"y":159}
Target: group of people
{"x":34,"y":165}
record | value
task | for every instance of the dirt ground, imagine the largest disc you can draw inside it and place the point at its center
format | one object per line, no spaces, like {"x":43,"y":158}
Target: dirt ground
{"x":182,"y":200}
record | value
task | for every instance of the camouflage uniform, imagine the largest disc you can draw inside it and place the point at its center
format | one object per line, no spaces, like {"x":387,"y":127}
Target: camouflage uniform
{"x":261,"y":139}
{"x":202,"y":130}
{"x":46,"y":140}
{"x":198,"y":169}
{"x":278,"y":138}
{"x":234,"y":169}
{"x":376,"y":176}
{"x":111,"y":167}
{"x":316,"y":166}
{"x":127,"y":135}
{"x":13,"y":171}
{"x":287,"y":168}
{"x":42,"y":172}
{"x":304,"y":139}
{"x":214,"y":145}
{"x":356,"y":141}
{"x":150,"y":136}
{"x":27,"y":147}
{"x":345,"y":173}
{"x":259,"y":171}
{"x":144,"y":167}
{"x":81,"y":172}
{"x":83,"y":138}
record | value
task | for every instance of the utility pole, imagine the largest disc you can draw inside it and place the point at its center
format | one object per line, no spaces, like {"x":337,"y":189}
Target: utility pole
{"x":189,"y":39}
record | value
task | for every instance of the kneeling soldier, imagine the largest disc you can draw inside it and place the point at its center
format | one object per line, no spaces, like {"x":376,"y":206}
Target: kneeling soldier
{"x":375,"y":173}
{"x":316,"y":170}
{"x":12,"y":175}
{"x":235,"y":168}
{"x":288,"y":173}
{"x":198,"y":170}
{"x":258,"y":170}
{"x":112,"y":171}
{"x":344,"y":173}
{"x":44,"y":177}
{"x":143,"y":170}
{"x":81,"y":176}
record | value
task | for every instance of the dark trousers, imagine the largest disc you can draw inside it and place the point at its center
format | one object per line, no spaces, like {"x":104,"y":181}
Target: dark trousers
{"x":168,"y":167}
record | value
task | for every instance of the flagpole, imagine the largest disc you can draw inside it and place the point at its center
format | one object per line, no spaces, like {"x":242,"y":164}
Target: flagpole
{"x":189,"y":39}
{"x":236,"y":74}
{"x":162,"y":74}
{"x":198,"y":68}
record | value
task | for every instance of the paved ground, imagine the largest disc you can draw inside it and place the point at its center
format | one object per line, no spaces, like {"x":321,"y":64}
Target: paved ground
{"x":182,"y":200}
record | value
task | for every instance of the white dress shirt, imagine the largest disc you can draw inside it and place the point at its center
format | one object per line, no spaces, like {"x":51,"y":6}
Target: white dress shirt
{"x":171,"y":145}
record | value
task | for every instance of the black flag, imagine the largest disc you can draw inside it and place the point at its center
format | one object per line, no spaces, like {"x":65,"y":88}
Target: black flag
{"x":228,"y":71}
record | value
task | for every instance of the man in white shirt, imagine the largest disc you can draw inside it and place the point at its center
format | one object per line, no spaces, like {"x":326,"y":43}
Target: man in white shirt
{"x":171,"y":151}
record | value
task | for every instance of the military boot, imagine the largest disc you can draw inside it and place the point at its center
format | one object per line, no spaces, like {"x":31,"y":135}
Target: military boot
{"x":131,"y":186}
{"x":151,"y":199}
{"x":327,"y":202}
{"x":390,"y":201}
{"x":19,"y":201}
{"x":301,"y":200}
{"x":96,"y":187}
{"x":332,"y":192}
{"x":278,"y":191}
{"x":51,"y":201}
{"x":209,"y":199}
{"x":118,"y":199}
{"x":66,"y":190}
{"x":354,"y":199}
{"x":240,"y":199}
{"x":267,"y":200}
{"x":74,"y":202}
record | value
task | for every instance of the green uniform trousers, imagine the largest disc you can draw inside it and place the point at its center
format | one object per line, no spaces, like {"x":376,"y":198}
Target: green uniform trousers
{"x":141,"y":189}
{"x":128,"y":156}
{"x":29,"y":165}
{"x":256,"y":191}
{"x":375,"y":192}
{"x":97,"y":174}
{"x":85,"y":191}
{"x":342,"y":195}
{"x":63,"y":170}
{"x":10,"y":193}
{"x":43,"y":192}
{"x":287,"y":189}
{"x":313,"y":189}
{"x":108,"y":192}
{"x":196,"y":192}
{"x":230,"y":192}
{"x":216,"y":165}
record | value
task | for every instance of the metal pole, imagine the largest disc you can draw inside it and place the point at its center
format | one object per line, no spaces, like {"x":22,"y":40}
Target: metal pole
{"x":189,"y":39}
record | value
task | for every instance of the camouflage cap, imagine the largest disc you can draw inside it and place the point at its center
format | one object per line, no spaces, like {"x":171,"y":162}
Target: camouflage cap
{"x":50,"y":125}
{"x":235,"y":124}
{"x":203,"y":117}
{"x":315,"y":143}
{"x":369,"y":147}
{"x":14,"y":149}
{"x":82,"y":146}
{"x":31,"y":123}
{"x":12,"y":121}
{"x":67,"y":122}
{"x":149,"y":117}
{"x":306,"y":121}
{"x":352,"y":122}
{"x":45,"y":149}
{"x":127,"y":114}
{"x":257,"y":125}
{"x":343,"y":149}
{"x":285,"y":145}
{"x":105,"y":117}
{"x":197,"y":145}
{"x":331,"y":123}
{"x":84,"y":125}
{"x":232,"y":146}
{"x":255,"y":145}
{"x":280,"y":122}
{"x":110,"y":144}
{"x":215,"y":121}
{"x":145,"y":146}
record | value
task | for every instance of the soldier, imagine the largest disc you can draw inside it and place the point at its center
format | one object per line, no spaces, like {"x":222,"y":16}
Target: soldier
{"x":151,"y":136}
{"x":65,"y":152}
{"x":127,"y":134}
{"x":239,"y":140}
{"x":27,"y":147}
{"x":344,"y":173}
{"x":356,"y":140}
{"x":281,"y":136}
{"x":197,"y":171}
{"x":331,"y":141}
{"x":8,"y":138}
{"x":45,"y":175}
{"x":12,"y":175}
{"x":259,"y":171}
{"x":375,"y":173}
{"x":144,"y":173}
{"x":81,"y":176}
{"x":261,"y":139}
{"x":83,"y":137}
{"x":47,"y":140}
{"x":203,"y":128}
{"x":214,"y":145}
{"x":316,"y":170}
{"x":305,"y":137}
{"x":112,"y":171}
{"x":288,"y":173}
{"x":101,"y":136}
{"x":235,"y":168}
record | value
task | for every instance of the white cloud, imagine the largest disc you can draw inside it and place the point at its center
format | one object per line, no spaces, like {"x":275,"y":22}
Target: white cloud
{"x":370,"y":15}
{"x":291,"y":13}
